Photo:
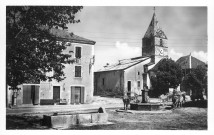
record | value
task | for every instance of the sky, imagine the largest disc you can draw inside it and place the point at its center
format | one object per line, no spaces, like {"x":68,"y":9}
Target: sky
{"x":118,"y":30}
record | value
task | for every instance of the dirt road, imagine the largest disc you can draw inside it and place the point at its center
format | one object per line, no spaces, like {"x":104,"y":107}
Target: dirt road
{"x":186,"y":118}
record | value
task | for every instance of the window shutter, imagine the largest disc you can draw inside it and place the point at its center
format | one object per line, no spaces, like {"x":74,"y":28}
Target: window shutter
{"x":72,"y":94}
{"x":80,"y":73}
{"x":77,"y":71}
{"x":82,"y":95}
{"x":78,"y":52}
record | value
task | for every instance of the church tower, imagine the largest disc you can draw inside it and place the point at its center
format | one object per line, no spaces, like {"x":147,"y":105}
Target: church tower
{"x":154,"y":42}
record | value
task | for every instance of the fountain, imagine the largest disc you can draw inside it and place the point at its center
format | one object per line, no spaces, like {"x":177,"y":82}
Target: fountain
{"x":145,"y":105}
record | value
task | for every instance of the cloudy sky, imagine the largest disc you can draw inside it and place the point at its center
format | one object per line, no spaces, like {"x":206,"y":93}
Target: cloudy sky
{"x":118,"y":30}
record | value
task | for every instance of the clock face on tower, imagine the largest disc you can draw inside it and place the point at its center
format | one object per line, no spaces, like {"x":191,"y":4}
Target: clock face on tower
{"x":160,"y":51}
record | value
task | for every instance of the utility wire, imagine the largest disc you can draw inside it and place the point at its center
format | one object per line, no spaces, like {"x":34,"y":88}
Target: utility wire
{"x":141,"y":46}
{"x":140,"y":34}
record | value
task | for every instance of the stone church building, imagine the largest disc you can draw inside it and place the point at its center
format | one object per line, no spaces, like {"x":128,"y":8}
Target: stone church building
{"x":130,"y":75}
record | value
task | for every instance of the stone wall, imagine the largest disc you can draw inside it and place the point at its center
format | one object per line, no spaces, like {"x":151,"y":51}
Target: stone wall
{"x":113,"y":83}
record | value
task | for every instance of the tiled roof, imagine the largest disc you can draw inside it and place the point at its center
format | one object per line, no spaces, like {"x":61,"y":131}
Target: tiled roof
{"x":154,"y":30}
{"x":184,"y":62}
{"x":123,"y":64}
{"x":69,"y":37}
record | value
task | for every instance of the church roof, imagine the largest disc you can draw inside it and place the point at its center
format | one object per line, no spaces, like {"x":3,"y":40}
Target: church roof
{"x":154,"y":30}
{"x":155,"y":67}
{"x":123,"y":64}
{"x":184,"y":62}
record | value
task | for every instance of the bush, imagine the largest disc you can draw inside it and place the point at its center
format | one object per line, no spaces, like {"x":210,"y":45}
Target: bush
{"x":199,"y":103}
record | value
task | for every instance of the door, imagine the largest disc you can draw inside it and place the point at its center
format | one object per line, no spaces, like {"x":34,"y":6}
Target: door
{"x":31,"y":94}
{"x":56,"y":93}
{"x":129,"y":88}
{"x":27,"y":94}
{"x":77,"y":95}
{"x":36,"y":95}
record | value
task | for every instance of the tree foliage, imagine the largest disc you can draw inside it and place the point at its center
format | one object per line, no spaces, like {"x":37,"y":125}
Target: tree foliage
{"x":32,"y":50}
{"x":168,"y":74}
{"x":196,"y":80}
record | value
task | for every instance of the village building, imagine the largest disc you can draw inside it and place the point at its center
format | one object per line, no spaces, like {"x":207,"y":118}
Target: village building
{"x":76,"y":88}
{"x":188,"y":63}
{"x":125,"y":76}
{"x":131,"y":75}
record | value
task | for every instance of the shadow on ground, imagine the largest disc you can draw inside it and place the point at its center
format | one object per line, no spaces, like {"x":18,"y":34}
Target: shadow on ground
{"x":192,"y":116}
{"x":199,"y":103}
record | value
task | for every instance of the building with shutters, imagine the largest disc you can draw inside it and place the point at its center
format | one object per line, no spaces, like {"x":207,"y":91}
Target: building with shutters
{"x":130,"y":75}
{"x":76,"y":88}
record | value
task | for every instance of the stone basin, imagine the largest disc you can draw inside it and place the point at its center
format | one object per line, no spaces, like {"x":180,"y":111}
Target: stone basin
{"x":66,"y":121}
{"x":145,"y":106}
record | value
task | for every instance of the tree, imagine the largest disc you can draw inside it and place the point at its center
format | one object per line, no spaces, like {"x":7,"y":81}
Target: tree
{"x":167,"y":74}
{"x":32,"y":50}
{"x":196,"y":80}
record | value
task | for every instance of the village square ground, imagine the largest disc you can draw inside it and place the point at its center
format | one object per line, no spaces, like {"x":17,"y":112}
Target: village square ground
{"x":191,"y":117}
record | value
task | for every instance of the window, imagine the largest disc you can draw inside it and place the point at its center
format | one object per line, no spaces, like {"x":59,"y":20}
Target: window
{"x":77,"y":71}
{"x":138,"y":73}
{"x":78,"y":52}
{"x":138,"y":83}
{"x":103,"y":81}
{"x":161,"y":42}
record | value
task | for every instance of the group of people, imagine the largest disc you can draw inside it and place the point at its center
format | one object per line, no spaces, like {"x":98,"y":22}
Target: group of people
{"x":177,"y":97}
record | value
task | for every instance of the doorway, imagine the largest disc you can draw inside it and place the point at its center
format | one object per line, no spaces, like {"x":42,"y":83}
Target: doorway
{"x":31,"y":94}
{"x":129,"y":88}
{"x":56,"y":94}
{"x":77,"y":94}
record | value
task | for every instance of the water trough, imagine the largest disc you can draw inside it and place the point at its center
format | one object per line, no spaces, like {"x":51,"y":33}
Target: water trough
{"x":69,"y":120}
